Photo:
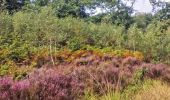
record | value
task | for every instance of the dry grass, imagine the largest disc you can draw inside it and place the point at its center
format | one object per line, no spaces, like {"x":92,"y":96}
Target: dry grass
{"x":159,"y":91}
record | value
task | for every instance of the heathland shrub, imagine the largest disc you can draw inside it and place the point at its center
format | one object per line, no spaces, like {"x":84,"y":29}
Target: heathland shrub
{"x":69,"y":80}
{"x":41,"y":84}
{"x":51,"y":85}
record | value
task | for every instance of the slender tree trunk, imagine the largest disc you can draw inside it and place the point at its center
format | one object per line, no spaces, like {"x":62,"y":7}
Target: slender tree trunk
{"x":51,"y":55}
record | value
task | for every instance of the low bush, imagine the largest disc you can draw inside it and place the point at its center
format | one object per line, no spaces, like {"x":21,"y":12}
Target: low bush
{"x":42,"y":84}
{"x":70,"y":80}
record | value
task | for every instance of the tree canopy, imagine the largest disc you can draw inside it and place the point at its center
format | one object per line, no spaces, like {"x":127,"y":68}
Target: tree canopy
{"x":114,"y":11}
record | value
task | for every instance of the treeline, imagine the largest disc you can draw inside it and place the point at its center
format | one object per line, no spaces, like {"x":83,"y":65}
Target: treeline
{"x":26,"y":26}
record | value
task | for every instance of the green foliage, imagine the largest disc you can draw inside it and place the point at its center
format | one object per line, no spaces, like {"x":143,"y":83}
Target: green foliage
{"x":75,"y":43}
{"x":4,"y":70}
{"x":154,"y":42}
{"x":89,"y":95}
{"x":19,"y":75}
{"x":111,"y":95}
{"x":65,"y":8}
{"x":23,"y":30}
{"x":105,"y":35}
{"x":143,"y":20}
{"x":14,"y":5}
{"x":137,"y":84}
{"x":135,"y":38}
{"x":5,"y":24}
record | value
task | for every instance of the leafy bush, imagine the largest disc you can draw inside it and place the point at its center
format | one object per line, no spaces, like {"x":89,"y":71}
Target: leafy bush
{"x":75,"y":43}
{"x":24,"y":30}
{"x":4,"y":70}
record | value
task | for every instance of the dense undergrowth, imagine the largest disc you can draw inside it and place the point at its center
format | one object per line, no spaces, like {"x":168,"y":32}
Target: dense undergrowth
{"x":43,"y":57}
{"x":24,"y":32}
{"x":104,"y":73}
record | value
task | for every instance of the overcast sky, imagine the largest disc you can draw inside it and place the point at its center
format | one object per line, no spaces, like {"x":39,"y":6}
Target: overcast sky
{"x":144,"y":5}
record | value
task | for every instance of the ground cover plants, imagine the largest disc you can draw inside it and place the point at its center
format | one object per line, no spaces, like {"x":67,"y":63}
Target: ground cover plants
{"x":77,"y":72}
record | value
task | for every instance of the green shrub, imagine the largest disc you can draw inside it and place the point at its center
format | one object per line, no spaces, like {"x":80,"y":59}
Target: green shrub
{"x":75,"y":43}
{"x":19,"y":75}
{"x":4,"y":70}
{"x":41,"y":28}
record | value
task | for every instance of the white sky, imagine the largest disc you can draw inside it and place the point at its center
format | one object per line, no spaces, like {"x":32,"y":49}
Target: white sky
{"x":143,"y":6}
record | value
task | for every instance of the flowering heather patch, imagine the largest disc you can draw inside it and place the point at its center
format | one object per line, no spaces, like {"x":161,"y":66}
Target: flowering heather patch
{"x":41,"y":85}
{"x":115,"y":72}
{"x":5,"y":85}
{"x":11,"y":90}
{"x":157,"y":71}
{"x":85,"y":70}
{"x":50,"y":85}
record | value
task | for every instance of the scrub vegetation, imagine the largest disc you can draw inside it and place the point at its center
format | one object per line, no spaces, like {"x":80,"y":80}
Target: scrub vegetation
{"x":60,"y":50}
